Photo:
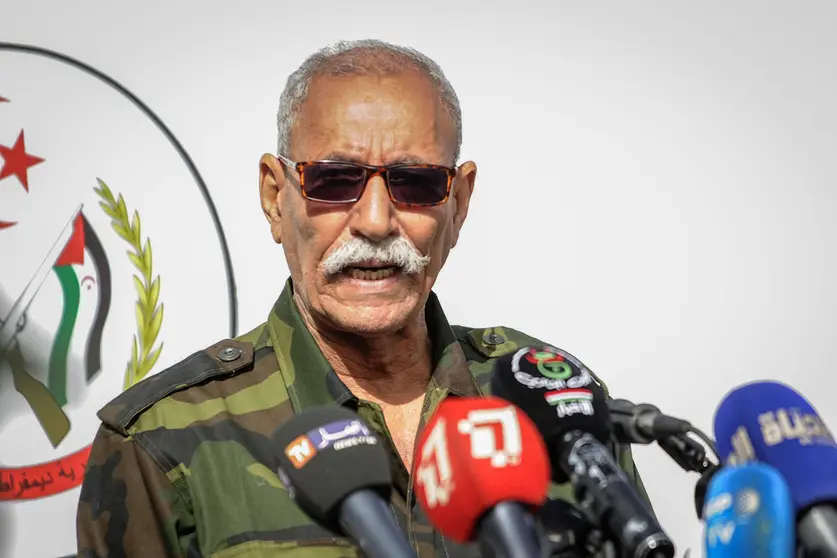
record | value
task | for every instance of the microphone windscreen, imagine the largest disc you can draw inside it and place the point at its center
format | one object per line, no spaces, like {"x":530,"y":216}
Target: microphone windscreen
{"x":474,"y":454}
{"x":325,"y":454}
{"x":749,"y":512}
{"x":772,"y":423}
{"x":557,"y":392}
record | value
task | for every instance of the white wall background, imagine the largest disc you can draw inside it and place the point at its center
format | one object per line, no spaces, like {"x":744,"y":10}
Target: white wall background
{"x":656,"y":184}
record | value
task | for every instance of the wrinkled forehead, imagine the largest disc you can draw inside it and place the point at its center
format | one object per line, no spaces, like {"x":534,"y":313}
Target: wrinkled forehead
{"x":391,"y":115}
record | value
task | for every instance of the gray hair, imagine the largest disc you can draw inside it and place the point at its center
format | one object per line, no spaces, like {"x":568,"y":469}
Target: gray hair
{"x":359,"y":57}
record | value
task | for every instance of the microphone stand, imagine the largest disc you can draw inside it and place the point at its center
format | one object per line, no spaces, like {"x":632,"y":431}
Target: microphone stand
{"x":689,"y":454}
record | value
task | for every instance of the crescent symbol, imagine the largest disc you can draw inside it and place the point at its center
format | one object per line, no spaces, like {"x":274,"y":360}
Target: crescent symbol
{"x":91,"y":281}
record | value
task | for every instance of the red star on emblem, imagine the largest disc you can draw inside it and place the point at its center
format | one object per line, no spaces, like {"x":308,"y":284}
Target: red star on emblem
{"x":16,"y":161}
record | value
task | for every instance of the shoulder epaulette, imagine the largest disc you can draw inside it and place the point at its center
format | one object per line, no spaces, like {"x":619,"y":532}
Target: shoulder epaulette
{"x":224,"y":358}
{"x":494,"y":342}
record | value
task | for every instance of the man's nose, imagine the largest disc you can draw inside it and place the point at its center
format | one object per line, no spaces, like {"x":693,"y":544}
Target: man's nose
{"x":373,"y":215}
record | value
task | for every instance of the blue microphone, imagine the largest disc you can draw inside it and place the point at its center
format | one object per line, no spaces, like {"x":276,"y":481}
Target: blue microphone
{"x":772,"y":423}
{"x":749,"y":513}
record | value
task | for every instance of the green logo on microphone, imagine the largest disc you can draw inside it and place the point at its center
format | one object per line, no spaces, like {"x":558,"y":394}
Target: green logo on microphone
{"x":549,"y":364}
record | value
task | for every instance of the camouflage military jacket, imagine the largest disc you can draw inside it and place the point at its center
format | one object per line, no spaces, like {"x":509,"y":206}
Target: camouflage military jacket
{"x":183,"y":464}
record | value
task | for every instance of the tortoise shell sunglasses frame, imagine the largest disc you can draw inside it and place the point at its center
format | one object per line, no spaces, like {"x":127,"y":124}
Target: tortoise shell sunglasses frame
{"x":372,"y":170}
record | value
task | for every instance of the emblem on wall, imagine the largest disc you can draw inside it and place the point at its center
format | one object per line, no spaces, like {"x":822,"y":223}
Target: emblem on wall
{"x":113,"y":266}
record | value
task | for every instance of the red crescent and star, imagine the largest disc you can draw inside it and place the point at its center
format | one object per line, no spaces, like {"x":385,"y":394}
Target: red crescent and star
{"x":16,"y":162}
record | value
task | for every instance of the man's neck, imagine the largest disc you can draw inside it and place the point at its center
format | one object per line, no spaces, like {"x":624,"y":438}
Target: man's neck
{"x":393,"y":369}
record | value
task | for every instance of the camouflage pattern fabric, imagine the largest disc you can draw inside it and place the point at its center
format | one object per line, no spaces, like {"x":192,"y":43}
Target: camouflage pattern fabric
{"x":183,"y":464}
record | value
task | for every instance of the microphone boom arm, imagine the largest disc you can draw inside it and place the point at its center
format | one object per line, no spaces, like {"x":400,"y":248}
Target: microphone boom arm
{"x":687,"y":453}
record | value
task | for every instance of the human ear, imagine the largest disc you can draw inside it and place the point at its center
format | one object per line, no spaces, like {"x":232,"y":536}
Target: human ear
{"x":271,"y":182}
{"x":463,"y":188}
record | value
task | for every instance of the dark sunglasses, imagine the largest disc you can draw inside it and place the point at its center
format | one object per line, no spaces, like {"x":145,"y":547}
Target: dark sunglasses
{"x":342,"y":182}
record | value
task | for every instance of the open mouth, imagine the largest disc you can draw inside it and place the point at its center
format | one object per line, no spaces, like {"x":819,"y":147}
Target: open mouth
{"x":370,"y":273}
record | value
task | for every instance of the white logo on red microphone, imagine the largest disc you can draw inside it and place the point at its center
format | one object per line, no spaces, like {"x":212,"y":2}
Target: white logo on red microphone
{"x":435,"y":473}
{"x":482,"y":426}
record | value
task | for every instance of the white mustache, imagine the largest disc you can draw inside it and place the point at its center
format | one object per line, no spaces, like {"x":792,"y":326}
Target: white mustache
{"x":395,"y":251}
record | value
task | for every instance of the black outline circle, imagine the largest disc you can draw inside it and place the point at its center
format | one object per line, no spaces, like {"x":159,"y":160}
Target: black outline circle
{"x":29,"y":49}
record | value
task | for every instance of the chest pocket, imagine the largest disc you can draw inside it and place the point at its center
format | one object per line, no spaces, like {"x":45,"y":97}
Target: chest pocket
{"x":242,"y":509}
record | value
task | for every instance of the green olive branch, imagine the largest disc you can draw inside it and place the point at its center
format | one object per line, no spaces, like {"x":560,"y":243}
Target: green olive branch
{"x":148,"y":312}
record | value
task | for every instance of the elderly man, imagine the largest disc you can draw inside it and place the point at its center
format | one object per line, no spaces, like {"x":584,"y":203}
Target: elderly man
{"x":367,"y":200}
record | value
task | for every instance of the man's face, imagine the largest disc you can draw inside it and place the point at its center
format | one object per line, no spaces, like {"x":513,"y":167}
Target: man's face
{"x":372,"y":120}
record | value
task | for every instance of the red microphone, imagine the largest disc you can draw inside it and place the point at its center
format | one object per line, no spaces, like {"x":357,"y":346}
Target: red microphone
{"x":482,"y":469}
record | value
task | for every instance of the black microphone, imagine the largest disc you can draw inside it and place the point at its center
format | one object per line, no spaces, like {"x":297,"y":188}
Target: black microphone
{"x":569,"y":408}
{"x":337,"y":472}
{"x":643,"y":423}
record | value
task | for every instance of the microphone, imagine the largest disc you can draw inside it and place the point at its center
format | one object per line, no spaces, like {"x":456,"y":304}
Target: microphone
{"x":336,"y":471}
{"x":749,"y":513}
{"x":481,"y":468}
{"x":643,"y":423}
{"x":772,"y":423}
{"x":567,"y":405}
